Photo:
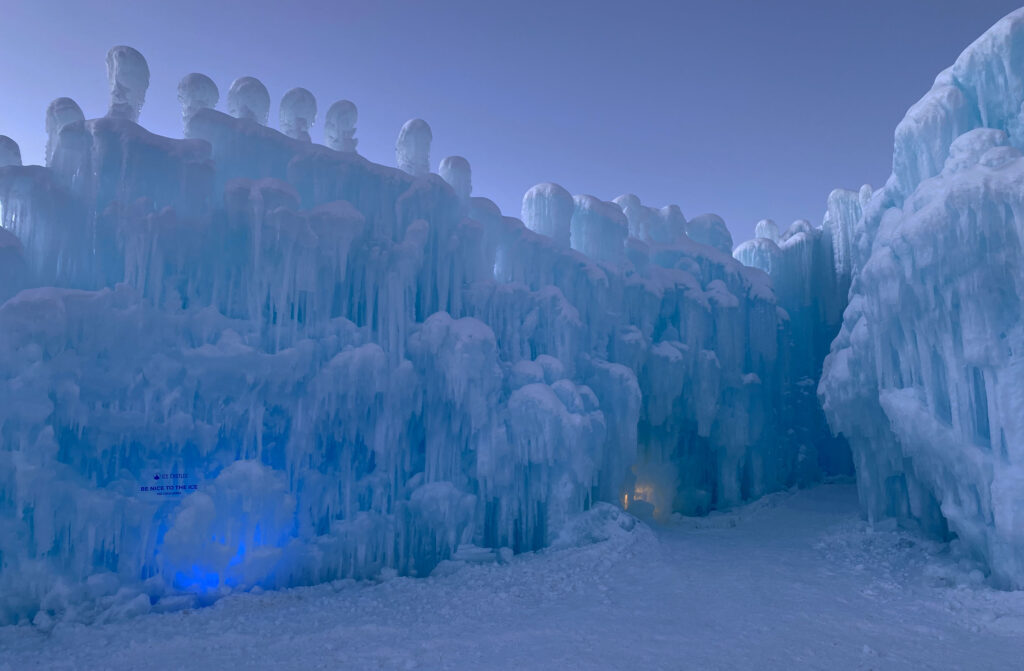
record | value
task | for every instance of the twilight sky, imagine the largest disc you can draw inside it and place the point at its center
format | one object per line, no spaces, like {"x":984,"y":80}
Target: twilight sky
{"x":749,"y":109}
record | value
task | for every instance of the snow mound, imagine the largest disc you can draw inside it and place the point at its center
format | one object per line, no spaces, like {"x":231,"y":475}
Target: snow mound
{"x":603,"y":522}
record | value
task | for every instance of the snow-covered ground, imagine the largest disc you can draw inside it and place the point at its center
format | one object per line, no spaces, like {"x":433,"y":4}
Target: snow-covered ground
{"x":792,"y":581}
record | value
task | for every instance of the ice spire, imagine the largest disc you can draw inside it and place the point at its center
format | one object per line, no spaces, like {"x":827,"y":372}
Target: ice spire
{"x":10,"y":153}
{"x":195,"y":92}
{"x":671,"y":225}
{"x":767,"y":228}
{"x":412,"y":150}
{"x":128,"y":75}
{"x":710,"y":229}
{"x":59,"y":113}
{"x":248,"y":99}
{"x":599,"y":229}
{"x":456,"y":171}
{"x":340,"y":126}
{"x":547,"y":209}
{"x":297,"y":114}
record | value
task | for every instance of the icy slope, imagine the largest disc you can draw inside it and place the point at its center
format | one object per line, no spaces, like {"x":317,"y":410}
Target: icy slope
{"x":245,"y":359}
{"x":926,"y":378}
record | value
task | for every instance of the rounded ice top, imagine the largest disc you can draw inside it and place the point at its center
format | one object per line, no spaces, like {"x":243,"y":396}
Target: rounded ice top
{"x":10,"y":152}
{"x":456,"y":171}
{"x":59,"y":113}
{"x":340,"y":126}
{"x":128,"y":76}
{"x":248,"y":99}
{"x":196,"y":91}
{"x":297,"y":114}
{"x":412,"y":150}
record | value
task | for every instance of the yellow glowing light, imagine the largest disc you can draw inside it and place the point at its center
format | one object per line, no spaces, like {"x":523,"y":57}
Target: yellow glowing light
{"x":644,"y":493}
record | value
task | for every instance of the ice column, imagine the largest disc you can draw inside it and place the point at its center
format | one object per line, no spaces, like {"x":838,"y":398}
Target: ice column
{"x":10,"y":153}
{"x":599,"y":229}
{"x":248,"y":99}
{"x":195,"y":92}
{"x":710,"y":229}
{"x":297,"y":114}
{"x":766,"y":228}
{"x":456,"y":171}
{"x":128,"y":75}
{"x":340,"y":126}
{"x":547,"y":209}
{"x":60,"y":113}
{"x":412,"y":150}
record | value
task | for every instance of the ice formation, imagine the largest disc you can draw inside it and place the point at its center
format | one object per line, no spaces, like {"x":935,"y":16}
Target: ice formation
{"x":709,"y":229}
{"x":926,"y":377}
{"x":768,"y":230}
{"x":128,"y":75}
{"x":412,"y":149}
{"x":340,"y":368}
{"x":60,"y":113}
{"x":598,"y":229}
{"x":248,"y":99}
{"x":243,"y":359}
{"x":455,"y":170}
{"x":801,"y":264}
{"x":547,"y":210}
{"x":10,"y":152}
{"x":651,"y":225}
{"x":340,"y":126}
{"x":196,"y":91}
{"x":297,"y":114}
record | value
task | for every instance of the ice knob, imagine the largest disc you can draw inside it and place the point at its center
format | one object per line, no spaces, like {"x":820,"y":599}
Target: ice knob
{"x":767,"y":228}
{"x":456,"y":171}
{"x":297,"y":114}
{"x":10,"y":153}
{"x":128,"y":76}
{"x":59,"y":113}
{"x":248,"y":99}
{"x":548,"y":209}
{"x":340,"y":126}
{"x":195,"y":92}
{"x":412,"y":150}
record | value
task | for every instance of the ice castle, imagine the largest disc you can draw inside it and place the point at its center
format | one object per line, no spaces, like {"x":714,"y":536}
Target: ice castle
{"x":245,"y":359}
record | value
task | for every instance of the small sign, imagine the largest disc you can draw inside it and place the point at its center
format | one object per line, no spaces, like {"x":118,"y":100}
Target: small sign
{"x":169,"y":484}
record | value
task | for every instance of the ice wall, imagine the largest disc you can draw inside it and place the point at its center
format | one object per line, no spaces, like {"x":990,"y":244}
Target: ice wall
{"x":813,"y":290}
{"x":926,"y":377}
{"x":342,"y":369}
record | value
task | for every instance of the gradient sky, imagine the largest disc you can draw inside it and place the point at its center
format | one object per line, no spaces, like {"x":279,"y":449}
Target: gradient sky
{"x":749,"y":109}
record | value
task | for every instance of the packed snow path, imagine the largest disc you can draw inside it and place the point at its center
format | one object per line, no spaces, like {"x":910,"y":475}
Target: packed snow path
{"x":792,"y":581}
